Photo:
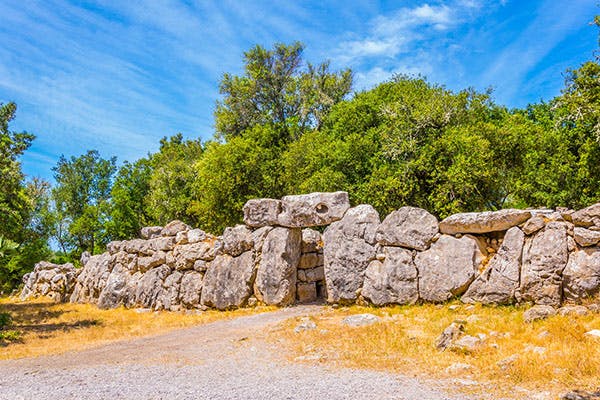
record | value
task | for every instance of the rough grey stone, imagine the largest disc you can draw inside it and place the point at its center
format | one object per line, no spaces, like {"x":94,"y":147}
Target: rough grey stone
{"x":449,"y":335}
{"x":237,"y":240}
{"x":349,"y":246}
{"x":114,"y":292}
{"x":228,"y":281}
{"x":173,"y":228}
{"x":150,"y":232}
{"x":538,"y":312}
{"x":162,"y":243}
{"x":52,"y":280}
{"x":261,"y":212}
{"x":534,"y":224}
{"x":573,"y":311}
{"x":361,"y":320}
{"x":138,"y":246}
{"x":168,"y":298}
{"x":587,"y":217}
{"x":156,"y":259}
{"x":393,"y":281}
{"x":314,"y":209}
{"x":312,"y":241}
{"x":408,"y":227}
{"x":150,"y":286}
{"x":196,"y":235}
{"x":187,"y":254}
{"x":92,"y":279}
{"x":190,"y":289}
{"x":581,"y":276}
{"x":544,"y":259}
{"x":585,"y":237}
{"x":500,"y":280}
{"x":276,"y":275}
{"x":448,"y":267}
{"x":483,"y":222}
{"x":114,"y":247}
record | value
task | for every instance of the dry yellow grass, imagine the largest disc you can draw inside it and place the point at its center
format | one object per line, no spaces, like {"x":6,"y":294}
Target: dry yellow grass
{"x":510,"y":362}
{"x":49,"y":328}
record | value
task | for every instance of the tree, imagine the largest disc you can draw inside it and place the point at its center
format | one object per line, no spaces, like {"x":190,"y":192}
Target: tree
{"x":81,"y":196}
{"x":129,"y":210}
{"x":172,"y":178}
{"x":23,"y":229}
{"x":231,"y":173}
{"x":275,"y":89}
{"x":14,"y":204}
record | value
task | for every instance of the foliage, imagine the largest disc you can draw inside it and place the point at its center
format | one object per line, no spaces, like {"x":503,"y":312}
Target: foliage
{"x":14,"y":204}
{"x":81,"y":197}
{"x":130,"y":210}
{"x":171,"y":179}
{"x":229,"y":174}
{"x":276,"y":90}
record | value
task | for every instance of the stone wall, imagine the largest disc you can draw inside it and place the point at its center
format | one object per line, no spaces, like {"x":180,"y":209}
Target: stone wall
{"x":540,"y":256}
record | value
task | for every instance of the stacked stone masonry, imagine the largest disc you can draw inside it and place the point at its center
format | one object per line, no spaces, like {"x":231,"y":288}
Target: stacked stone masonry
{"x":277,"y":257}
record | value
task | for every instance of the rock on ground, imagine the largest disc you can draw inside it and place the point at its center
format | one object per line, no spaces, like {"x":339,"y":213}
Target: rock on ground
{"x":538,"y":312}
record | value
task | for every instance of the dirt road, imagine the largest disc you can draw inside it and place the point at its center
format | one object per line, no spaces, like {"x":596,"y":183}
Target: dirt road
{"x":221,"y":360}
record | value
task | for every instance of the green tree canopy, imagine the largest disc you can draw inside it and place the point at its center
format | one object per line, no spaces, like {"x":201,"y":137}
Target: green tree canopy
{"x":81,"y":197}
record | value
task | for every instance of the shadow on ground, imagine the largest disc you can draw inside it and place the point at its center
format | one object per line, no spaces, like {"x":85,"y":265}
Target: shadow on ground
{"x":40,"y":319}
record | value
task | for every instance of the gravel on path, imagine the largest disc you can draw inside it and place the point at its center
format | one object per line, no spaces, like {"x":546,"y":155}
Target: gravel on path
{"x":227,"y":359}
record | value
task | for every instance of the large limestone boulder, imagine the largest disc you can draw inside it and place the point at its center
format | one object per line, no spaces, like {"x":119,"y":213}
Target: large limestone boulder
{"x":92,"y":279}
{"x":448,"y":267}
{"x":261,"y":212}
{"x":587,"y":217}
{"x":276,"y":275}
{"x":150,"y":286}
{"x":228,"y":281}
{"x":500,"y":280}
{"x":349,"y":247}
{"x":581,"y":277}
{"x":393,"y":281}
{"x":544,"y":259}
{"x":408,"y":227}
{"x":483,"y":222}
{"x":314,"y":209}
{"x":237,"y":240}
{"x":190,"y":289}
{"x":115,"y":291}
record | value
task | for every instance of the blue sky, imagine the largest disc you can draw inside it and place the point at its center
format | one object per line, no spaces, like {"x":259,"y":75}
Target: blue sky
{"x":117,"y":76}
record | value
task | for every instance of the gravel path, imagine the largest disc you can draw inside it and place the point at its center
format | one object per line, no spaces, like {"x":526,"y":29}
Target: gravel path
{"x":221,"y":360}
